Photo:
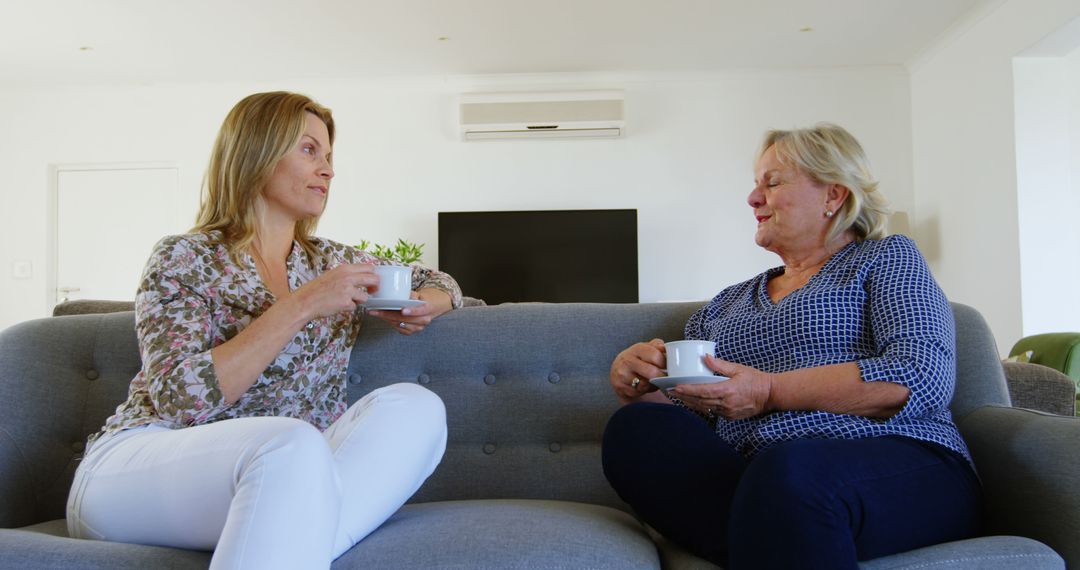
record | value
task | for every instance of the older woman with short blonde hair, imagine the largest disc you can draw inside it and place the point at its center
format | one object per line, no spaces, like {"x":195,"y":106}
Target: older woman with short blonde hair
{"x":828,"y":439}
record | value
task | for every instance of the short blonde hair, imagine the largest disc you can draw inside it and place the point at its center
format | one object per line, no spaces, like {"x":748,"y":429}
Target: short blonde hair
{"x":256,"y":134}
{"x":828,"y":154}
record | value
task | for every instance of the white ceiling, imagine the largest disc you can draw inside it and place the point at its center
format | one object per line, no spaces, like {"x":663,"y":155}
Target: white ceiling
{"x":149,"y":41}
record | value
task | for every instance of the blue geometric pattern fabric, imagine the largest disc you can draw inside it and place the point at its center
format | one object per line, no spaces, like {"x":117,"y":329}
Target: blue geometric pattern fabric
{"x":874,"y":303}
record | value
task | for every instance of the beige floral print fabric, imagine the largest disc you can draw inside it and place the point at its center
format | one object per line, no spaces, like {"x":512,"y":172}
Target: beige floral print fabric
{"x":193,"y":297}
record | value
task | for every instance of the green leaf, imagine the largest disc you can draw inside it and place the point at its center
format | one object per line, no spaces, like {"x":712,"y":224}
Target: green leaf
{"x":403,"y":251}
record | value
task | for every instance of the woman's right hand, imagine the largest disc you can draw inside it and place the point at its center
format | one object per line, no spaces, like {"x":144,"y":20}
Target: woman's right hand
{"x":338,"y":290}
{"x":643,"y":362}
{"x":239,"y":361}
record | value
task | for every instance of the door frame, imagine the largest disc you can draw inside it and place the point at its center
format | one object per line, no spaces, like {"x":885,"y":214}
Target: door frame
{"x":52,"y":234}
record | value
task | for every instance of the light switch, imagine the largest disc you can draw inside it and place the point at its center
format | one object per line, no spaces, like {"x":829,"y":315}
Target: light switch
{"x":22,"y":269}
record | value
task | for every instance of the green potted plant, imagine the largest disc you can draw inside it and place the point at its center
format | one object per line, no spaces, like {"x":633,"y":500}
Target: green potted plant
{"x":404,"y":252}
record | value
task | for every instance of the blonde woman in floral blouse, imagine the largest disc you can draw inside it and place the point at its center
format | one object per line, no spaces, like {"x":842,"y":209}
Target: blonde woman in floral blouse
{"x":236,"y":436}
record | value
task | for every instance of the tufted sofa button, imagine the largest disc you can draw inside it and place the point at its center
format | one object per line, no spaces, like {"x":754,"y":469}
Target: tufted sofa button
{"x":78,"y":446}
{"x":554,"y":378}
{"x":354,"y":379}
{"x":489,"y":448}
{"x":92,"y":374}
{"x":423,"y":379}
{"x":555,"y":447}
{"x":489,"y":379}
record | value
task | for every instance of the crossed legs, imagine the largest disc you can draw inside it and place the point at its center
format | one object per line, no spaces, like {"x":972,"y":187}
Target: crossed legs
{"x":262,"y":492}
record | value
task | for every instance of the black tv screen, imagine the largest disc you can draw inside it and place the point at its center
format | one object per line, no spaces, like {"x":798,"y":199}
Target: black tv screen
{"x":559,"y":256}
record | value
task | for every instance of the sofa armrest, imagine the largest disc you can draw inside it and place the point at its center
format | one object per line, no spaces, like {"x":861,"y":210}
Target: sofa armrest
{"x":1041,"y":388}
{"x":1029,"y":464}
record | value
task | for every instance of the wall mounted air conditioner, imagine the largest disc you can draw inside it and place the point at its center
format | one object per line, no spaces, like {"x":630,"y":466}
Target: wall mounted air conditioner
{"x":541,"y":115}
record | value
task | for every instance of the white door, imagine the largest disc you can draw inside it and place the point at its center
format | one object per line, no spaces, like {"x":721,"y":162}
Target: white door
{"x":107,"y":222}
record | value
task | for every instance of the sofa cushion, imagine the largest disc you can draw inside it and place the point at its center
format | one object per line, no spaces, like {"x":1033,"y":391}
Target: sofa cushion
{"x":47,"y":546}
{"x":451,"y":534}
{"x":502,"y":534}
{"x":505,"y":534}
{"x":975,"y":554}
{"x":983,"y":553}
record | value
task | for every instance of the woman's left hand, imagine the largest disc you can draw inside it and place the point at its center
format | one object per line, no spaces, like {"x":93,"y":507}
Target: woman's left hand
{"x":744,"y":395}
{"x":412,"y":320}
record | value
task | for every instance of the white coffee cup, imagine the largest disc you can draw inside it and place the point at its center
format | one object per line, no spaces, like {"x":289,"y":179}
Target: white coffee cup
{"x":687,"y":357}
{"x":395,"y":282}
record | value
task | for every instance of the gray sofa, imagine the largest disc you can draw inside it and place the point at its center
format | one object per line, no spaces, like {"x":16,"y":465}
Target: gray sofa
{"x":520,"y":486}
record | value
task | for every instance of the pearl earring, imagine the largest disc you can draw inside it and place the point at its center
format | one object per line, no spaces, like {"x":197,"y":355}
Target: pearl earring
{"x":829,"y":213}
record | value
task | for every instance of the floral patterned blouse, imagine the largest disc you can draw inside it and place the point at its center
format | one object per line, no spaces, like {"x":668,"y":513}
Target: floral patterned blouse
{"x":193,"y":297}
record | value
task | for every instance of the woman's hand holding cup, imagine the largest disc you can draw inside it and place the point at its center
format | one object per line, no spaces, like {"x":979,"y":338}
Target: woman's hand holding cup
{"x":634,"y":367}
{"x":338,"y":290}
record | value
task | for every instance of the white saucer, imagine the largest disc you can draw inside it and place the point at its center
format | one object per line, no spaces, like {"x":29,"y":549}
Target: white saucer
{"x":665,"y":382}
{"x":391,"y":304}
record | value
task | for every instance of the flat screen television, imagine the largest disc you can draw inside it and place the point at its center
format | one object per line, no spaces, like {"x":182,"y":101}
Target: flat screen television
{"x":555,"y":256}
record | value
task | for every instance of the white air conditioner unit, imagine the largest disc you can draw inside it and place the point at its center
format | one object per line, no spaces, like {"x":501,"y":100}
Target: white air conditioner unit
{"x":541,"y":115}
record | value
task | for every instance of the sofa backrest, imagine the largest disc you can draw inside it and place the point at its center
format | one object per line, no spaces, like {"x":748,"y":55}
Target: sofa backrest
{"x":525,"y":388}
{"x":526,"y":391}
{"x":527,"y":394}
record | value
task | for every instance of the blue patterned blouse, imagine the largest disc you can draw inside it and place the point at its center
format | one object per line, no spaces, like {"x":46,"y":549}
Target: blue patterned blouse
{"x":875,"y":303}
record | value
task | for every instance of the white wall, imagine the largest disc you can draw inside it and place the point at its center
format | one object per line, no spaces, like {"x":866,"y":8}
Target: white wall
{"x":1048,"y":183}
{"x":964,"y":159}
{"x":685,"y":163}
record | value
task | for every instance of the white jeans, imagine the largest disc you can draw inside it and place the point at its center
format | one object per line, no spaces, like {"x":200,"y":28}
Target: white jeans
{"x":263,"y":492}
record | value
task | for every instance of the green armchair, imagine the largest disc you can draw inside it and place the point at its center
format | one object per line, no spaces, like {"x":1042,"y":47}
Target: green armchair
{"x":1060,"y":351}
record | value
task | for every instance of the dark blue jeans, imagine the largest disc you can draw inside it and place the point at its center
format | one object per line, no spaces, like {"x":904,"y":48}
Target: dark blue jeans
{"x":814,"y":503}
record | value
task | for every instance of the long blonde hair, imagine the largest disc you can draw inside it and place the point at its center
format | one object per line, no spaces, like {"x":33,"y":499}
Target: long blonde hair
{"x":828,"y":154}
{"x":256,"y":134}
